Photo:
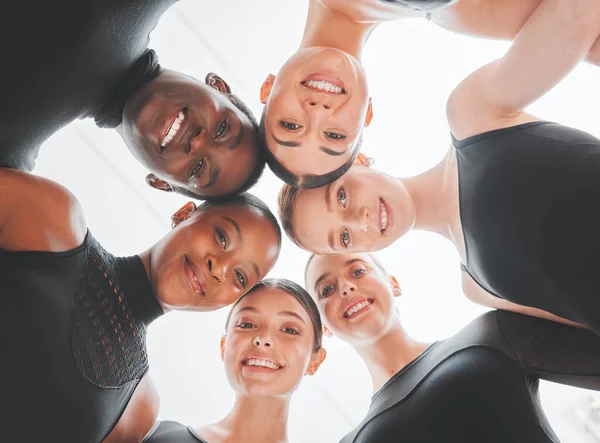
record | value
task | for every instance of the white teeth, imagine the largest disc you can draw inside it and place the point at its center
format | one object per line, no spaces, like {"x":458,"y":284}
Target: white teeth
{"x":323,"y":85}
{"x":173,"y":129}
{"x":383,"y":217}
{"x":263,"y":363}
{"x":354,"y":309}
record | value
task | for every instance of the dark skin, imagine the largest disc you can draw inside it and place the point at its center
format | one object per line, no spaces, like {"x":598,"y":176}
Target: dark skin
{"x":39,"y":215}
{"x":213,"y":149}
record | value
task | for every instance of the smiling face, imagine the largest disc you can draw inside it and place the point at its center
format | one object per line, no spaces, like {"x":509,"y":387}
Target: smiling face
{"x":364,"y":210}
{"x":316,"y":111}
{"x":213,"y":258}
{"x":270,"y":344}
{"x":354,"y":295}
{"x":190,"y":134}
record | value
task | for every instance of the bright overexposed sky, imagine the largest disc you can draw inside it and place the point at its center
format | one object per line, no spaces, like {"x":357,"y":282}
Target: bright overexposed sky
{"x":412,"y":67}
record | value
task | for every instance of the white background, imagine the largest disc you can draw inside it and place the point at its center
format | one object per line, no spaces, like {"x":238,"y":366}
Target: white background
{"x":412,"y":67}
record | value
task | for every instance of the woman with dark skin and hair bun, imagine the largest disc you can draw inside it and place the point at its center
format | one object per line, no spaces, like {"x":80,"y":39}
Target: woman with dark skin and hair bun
{"x":479,"y":385}
{"x":272,"y":339}
{"x":75,"y":317}
{"x":516,"y":195}
{"x":317,"y":105}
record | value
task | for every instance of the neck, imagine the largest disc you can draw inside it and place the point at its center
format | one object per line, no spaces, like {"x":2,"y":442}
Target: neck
{"x":329,"y":27}
{"x":146,"y":258}
{"x":256,"y":419}
{"x":433,"y":195}
{"x":389,"y":353}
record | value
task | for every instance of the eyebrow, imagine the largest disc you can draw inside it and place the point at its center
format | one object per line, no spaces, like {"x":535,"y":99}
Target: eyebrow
{"x":330,"y":240}
{"x":284,"y":143}
{"x":282,"y":313}
{"x":328,"y":196}
{"x":332,"y":152}
{"x":235,"y":143}
{"x":214,"y":176}
{"x":320,"y":279}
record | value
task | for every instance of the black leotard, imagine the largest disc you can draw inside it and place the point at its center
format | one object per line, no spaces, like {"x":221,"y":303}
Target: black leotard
{"x":422,"y":5}
{"x":172,"y":432}
{"x":73,"y":341}
{"x":62,"y":59}
{"x":530,"y":211}
{"x":481,"y":385}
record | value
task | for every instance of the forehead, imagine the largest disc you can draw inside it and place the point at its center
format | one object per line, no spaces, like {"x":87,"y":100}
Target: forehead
{"x":312,"y":220}
{"x":269,"y":302}
{"x":331,"y":264}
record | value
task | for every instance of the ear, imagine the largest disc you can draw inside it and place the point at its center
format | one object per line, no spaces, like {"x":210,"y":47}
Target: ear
{"x":397,"y":290}
{"x":327,"y":332}
{"x":265,"y":89}
{"x":316,"y":361}
{"x":223,"y":348}
{"x":183,"y":214}
{"x":157,"y":183}
{"x":214,"y":81}
{"x":363,"y":160}
{"x":369,"y":115}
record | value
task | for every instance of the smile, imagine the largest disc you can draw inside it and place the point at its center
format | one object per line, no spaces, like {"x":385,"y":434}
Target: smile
{"x":384,"y":216}
{"x":198,"y":285}
{"x":323,"y":86}
{"x":172,"y":131}
{"x":261,"y":363}
{"x":353,"y":310}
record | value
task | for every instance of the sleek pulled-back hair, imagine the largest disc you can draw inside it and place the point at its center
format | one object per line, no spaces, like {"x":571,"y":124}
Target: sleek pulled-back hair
{"x":374,"y":259}
{"x":286,"y":201}
{"x":259,"y":167}
{"x":247,"y":200}
{"x":307,"y":181}
{"x":300,"y":294}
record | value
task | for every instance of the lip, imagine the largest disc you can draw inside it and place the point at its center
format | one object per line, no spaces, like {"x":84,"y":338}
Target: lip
{"x":258,"y":356}
{"x":168,"y":122}
{"x":390,"y":216}
{"x":191,"y":271}
{"x":325,"y":77}
{"x":362,"y":311}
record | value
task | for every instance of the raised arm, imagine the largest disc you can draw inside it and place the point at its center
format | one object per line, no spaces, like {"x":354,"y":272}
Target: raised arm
{"x":38,"y":214}
{"x":552,"y":351}
{"x":557,"y":36}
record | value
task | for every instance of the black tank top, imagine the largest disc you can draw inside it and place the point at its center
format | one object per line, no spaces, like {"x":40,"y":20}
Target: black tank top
{"x":422,"y":5}
{"x":172,"y":432}
{"x":73,"y":332}
{"x":481,"y":385}
{"x":530,"y":211}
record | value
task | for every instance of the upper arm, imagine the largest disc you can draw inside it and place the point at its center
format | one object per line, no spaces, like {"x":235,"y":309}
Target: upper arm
{"x":552,"y":351}
{"x":38,"y":214}
{"x":557,"y":36}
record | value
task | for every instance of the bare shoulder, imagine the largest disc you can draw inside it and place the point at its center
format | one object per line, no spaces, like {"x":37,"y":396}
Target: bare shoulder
{"x":38,"y":214}
{"x":370,"y":11}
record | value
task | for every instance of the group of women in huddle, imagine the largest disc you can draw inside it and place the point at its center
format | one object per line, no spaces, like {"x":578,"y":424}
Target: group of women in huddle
{"x":516,"y":195}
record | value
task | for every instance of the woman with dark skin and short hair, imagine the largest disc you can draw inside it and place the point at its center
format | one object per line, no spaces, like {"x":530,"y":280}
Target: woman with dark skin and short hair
{"x":316,"y":107}
{"x":69,"y":59}
{"x":516,"y":195}
{"x":480,"y":385}
{"x":74,"y":316}
{"x":272,"y":340}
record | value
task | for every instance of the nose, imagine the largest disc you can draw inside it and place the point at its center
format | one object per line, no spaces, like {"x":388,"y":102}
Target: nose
{"x":217,"y":268}
{"x":264,"y":340}
{"x":348,"y":288}
{"x":194,"y":143}
{"x":318,"y":103}
{"x":360,"y":220}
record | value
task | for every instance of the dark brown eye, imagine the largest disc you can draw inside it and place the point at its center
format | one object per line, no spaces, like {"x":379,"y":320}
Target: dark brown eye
{"x":334,"y":136}
{"x":289,"y":126}
{"x":221,"y":129}
{"x":197,"y":168}
{"x":325,"y":291}
{"x":345,"y":238}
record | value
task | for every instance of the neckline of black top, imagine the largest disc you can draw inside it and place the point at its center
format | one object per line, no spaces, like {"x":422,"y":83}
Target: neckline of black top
{"x":475,"y":138}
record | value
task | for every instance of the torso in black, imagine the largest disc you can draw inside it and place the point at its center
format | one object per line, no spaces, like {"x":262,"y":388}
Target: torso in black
{"x":61,"y":60}
{"x":73,"y":336}
{"x":481,"y":385}
{"x":530,"y":212}
{"x":172,"y":432}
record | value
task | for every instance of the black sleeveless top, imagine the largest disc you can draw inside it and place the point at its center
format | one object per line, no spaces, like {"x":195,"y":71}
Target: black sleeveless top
{"x":422,"y":5}
{"x":67,"y":59}
{"x":73,"y":341}
{"x":530,"y":211}
{"x":481,"y":385}
{"x":172,"y":432}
